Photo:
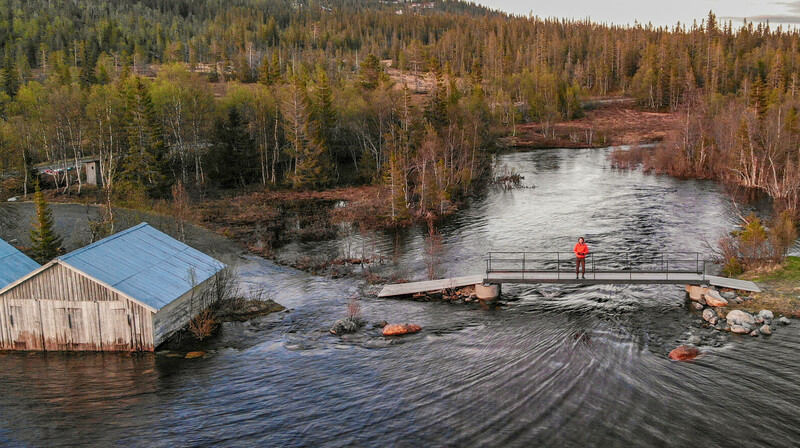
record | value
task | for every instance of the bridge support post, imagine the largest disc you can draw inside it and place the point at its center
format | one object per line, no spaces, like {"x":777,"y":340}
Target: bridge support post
{"x":487,"y":291}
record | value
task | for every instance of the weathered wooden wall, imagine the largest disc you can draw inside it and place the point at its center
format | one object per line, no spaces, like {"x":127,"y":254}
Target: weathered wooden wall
{"x":177,"y":314}
{"x":60,"y":309}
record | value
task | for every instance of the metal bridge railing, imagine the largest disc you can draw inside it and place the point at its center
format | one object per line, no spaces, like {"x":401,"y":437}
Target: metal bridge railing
{"x":596,"y":262}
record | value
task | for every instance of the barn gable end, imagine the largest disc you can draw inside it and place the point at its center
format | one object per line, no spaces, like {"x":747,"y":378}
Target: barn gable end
{"x":59,"y":308}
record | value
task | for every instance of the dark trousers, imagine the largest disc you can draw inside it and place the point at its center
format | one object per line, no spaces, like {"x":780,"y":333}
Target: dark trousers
{"x":578,"y":263}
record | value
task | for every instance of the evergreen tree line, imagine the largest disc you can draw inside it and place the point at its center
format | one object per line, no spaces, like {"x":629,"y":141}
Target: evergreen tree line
{"x":278,"y":92}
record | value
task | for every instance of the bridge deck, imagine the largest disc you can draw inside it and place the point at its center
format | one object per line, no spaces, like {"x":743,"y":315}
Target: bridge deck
{"x":592,"y":278}
{"x":405,"y":289}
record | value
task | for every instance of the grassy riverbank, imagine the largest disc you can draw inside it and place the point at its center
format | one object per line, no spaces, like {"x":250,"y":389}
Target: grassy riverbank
{"x":780,"y":289}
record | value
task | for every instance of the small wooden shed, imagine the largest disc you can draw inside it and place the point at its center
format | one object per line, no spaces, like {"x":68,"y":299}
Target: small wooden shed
{"x":128,"y":292}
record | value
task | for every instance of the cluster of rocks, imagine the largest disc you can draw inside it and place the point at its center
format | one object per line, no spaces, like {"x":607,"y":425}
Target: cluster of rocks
{"x":190,"y":355}
{"x":714,"y":306}
{"x":465,"y":294}
{"x":351,"y":325}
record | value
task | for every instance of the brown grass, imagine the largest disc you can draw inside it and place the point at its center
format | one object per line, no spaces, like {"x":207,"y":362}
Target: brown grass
{"x":780,"y":304}
{"x":613,"y":124}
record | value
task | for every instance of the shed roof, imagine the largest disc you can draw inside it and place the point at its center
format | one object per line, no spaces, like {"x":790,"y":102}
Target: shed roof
{"x":144,"y":263}
{"x":13,"y":264}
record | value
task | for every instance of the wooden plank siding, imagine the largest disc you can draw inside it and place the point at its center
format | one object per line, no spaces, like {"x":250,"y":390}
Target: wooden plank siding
{"x":61,"y":309}
{"x":178,"y":313}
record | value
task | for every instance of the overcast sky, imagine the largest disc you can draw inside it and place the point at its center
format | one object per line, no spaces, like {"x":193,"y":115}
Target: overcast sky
{"x":665,"y":12}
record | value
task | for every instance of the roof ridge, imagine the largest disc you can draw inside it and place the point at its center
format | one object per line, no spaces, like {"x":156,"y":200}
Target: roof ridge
{"x":104,"y":240}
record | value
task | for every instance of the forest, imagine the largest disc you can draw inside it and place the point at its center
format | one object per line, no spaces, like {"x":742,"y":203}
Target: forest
{"x":206,"y":96}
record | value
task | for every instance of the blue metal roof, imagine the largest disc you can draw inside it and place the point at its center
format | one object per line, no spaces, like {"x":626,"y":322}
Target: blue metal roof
{"x":144,"y":263}
{"x":13,"y":264}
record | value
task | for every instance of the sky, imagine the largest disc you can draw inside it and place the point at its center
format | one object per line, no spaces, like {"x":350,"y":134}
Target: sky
{"x":664,"y":12}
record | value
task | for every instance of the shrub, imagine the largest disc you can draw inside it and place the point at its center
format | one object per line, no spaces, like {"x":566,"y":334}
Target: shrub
{"x":354,"y":310}
{"x":203,"y":324}
{"x":782,"y":234}
{"x":732,"y":268}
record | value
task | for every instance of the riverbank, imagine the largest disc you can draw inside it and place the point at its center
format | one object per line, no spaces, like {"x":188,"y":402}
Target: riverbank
{"x":780,"y":289}
{"x":612,"y":123}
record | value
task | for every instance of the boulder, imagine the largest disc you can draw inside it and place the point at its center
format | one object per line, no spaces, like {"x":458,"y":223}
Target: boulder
{"x":754,"y":333}
{"x":697,"y":305}
{"x":759,"y":319}
{"x":739,"y":329}
{"x":684,"y":353}
{"x":765,"y":330}
{"x":739,"y":317}
{"x":709,"y":314}
{"x":400,"y":329}
{"x":784,"y":320}
{"x":714,"y":299}
{"x":695,"y":292}
{"x":766,"y":314}
{"x":728,"y":295}
{"x":346,"y":325}
{"x":192,"y":355}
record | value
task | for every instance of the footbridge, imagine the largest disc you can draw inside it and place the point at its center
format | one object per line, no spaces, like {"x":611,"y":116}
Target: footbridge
{"x":684,"y":268}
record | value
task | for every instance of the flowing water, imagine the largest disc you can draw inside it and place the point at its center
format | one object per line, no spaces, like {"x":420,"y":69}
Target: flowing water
{"x":552,"y":366}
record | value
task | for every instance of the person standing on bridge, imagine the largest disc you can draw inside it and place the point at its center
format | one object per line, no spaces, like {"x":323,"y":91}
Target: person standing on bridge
{"x":581,"y":251}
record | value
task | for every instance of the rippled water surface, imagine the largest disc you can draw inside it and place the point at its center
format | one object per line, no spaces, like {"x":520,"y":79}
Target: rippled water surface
{"x":552,"y":366}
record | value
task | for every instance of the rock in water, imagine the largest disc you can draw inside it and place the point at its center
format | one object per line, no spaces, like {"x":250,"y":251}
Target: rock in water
{"x":344,"y":326}
{"x":709,"y":314}
{"x":684,"y":353}
{"x":754,"y":333}
{"x":739,"y":329}
{"x":695,"y":292}
{"x":192,"y":355}
{"x":694,"y":340}
{"x":739,"y":317}
{"x":714,"y":299}
{"x":783,"y":320}
{"x":400,"y":329}
{"x":766,"y":314}
{"x":697,"y":305}
{"x":765,"y":330}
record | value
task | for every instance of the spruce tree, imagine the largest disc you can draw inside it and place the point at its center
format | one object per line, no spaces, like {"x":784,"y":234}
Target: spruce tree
{"x":265,"y":73}
{"x":325,"y":111}
{"x":146,"y":162}
{"x":45,"y":242}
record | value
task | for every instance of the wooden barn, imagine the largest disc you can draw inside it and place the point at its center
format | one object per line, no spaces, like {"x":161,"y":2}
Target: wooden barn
{"x":13,"y":264}
{"x":128,"y":292}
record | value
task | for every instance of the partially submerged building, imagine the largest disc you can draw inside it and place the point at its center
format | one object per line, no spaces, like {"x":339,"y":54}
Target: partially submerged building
{"x":128,"y":292}
{"x":13,"y":264}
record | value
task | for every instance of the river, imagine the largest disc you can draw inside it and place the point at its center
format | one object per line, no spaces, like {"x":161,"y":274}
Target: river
{"x":551,"y":366}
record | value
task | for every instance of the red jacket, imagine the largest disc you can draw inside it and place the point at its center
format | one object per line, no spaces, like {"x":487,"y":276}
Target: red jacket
{"x":581,"y":250}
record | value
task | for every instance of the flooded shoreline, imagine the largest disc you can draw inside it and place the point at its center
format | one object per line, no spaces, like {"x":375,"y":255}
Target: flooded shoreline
{"x":551,"y":366}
